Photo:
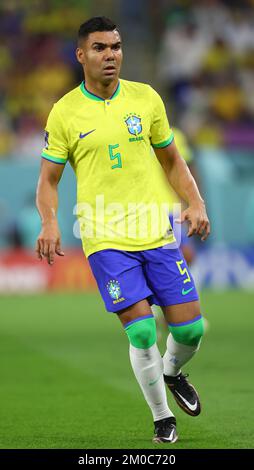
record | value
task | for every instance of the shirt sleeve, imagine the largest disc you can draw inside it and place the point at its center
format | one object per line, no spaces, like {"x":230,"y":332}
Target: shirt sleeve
{"x":56,"y":145}
{"x":161,"y":133}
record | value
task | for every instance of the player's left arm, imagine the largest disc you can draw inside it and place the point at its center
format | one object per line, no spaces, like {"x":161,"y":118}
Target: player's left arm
{"x":180,"y":178}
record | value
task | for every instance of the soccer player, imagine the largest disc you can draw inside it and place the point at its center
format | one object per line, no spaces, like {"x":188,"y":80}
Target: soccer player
{"x":105,"y":128}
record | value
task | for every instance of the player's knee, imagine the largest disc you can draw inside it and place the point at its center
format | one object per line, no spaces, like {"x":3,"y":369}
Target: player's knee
{"x":142,"y":332}
{"x":190,"y":333}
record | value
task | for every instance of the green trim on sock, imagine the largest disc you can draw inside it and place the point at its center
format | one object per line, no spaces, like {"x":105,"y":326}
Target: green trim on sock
{"x":142,"y":334}
{"x":188,"y":334}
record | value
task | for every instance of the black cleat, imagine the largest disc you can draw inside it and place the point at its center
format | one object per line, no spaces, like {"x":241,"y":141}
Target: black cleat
{"x":165,"y":431}
{"x":184,"y":393}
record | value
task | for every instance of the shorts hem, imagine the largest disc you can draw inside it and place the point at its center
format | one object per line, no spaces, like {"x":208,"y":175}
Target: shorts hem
{"x":175,"y":302}
{"x":128,"y":304}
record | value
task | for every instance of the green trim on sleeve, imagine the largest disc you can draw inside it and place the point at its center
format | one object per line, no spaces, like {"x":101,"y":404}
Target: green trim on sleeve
{"x":165,"y":143}
{"x":53,"y":159}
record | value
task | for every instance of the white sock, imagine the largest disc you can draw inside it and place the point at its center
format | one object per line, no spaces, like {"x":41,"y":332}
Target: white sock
{"x":147,"y":365}
{"x":177,"y":355}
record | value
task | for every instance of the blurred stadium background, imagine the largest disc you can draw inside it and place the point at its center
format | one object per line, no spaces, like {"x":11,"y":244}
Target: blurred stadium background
{"x":64,"y":360}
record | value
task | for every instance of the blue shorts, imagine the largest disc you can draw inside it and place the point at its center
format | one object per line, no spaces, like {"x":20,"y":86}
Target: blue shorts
{"x":124,"y":277}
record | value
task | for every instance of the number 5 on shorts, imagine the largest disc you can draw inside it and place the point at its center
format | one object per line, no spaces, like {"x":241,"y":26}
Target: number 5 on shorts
{"x":183,"y":271}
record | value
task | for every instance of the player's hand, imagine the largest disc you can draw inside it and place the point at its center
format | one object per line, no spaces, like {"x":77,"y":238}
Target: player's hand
{"x":198,"y":221}
{"x":48,"y":243}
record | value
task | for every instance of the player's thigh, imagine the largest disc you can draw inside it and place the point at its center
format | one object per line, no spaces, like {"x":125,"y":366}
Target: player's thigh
{"x":181,"y":313}
{"x":137,"y":310}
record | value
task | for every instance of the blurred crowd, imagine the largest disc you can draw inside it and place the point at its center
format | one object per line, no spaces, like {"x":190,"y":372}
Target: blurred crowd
{"x":37,"y":66}
{"x":205,"y":64}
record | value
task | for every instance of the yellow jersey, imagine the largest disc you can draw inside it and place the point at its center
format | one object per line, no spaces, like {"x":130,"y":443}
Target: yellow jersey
{"x":120,"y":201}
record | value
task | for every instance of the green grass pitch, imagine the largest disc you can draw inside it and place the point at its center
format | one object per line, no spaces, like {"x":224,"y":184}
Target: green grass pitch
{"x":66,"y":381}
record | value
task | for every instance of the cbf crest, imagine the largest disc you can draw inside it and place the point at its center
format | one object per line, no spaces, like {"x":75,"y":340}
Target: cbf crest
{"x":133,"y":122}
{"x":114,"y":289}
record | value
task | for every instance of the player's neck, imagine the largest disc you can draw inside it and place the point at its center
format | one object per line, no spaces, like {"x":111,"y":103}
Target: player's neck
{"x":101,"y":90}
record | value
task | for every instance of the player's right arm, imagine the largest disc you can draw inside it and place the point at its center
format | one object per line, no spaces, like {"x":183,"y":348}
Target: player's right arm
{"x":55,"y":155}
{"x":49,"y":240}
{"x":177,"y":172}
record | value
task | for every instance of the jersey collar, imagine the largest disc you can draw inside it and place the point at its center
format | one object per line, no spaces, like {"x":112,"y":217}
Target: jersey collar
{"x":91,"y":96}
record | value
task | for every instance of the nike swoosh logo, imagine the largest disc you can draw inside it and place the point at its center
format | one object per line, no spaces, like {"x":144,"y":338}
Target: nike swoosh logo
{"x":191,"y":407}
{"x":81,"y":136}
{"x":184,"y":292}
{"x":171,"y":436}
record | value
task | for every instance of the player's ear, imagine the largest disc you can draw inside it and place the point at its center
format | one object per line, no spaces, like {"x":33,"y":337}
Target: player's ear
{"x":80,"y":55}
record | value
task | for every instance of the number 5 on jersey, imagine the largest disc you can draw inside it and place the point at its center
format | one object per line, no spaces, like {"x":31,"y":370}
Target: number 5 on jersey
{"x":115,"y":156}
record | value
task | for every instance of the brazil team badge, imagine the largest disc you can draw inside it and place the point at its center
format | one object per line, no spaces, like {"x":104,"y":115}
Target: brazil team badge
{"x":114,"y":291}
{"x":133,"y":123}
